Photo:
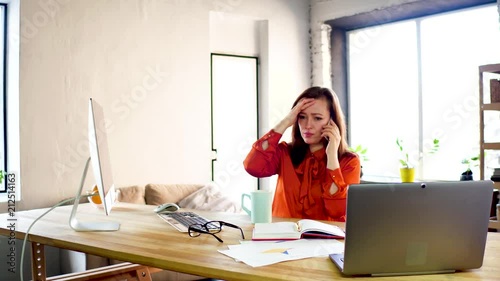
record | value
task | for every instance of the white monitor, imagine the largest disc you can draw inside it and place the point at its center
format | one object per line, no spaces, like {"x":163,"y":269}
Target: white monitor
{"x":99,"y":155}
{"x":101,"y":166}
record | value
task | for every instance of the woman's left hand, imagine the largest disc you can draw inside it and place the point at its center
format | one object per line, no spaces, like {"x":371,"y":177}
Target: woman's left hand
{"x":332,"y":133}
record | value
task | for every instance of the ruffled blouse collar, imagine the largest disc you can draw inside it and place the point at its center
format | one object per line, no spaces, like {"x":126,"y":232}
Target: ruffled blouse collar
{"x":310,"y":169}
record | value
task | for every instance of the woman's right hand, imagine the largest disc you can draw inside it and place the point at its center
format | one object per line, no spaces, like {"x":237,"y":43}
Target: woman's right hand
{"x":291,"y":117}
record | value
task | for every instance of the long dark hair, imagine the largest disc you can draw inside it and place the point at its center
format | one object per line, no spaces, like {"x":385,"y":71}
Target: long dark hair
{"x":298,"y":148}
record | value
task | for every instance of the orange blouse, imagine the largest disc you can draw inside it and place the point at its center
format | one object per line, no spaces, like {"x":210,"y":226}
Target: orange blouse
{"x":303,"y":192}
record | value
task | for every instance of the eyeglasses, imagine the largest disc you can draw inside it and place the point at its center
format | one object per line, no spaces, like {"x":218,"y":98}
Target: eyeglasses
{"x":211,"y":227}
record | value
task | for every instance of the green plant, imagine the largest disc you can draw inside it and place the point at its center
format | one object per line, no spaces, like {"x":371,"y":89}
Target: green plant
{"x":405,"y":159}
{"x":471,"y":162}
{"x":434,"y":147}
{"x":361,"y":151}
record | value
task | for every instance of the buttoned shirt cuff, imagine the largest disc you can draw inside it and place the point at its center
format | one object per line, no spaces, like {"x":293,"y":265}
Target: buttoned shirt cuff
{"x":271,"y":137}
{"x":335,"y":176}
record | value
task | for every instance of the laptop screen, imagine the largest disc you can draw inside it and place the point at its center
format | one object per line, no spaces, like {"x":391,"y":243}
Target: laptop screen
{"x":416,"y":227}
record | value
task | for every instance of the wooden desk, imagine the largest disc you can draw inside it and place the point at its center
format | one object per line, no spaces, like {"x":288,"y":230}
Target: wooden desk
{"x":146,"y":239}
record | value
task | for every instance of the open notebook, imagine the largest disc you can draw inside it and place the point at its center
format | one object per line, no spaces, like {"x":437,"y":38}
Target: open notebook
{"x":415,"y":228}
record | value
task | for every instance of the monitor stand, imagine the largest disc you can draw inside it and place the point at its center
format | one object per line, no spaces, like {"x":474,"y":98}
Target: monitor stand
{"x":91,"y":225}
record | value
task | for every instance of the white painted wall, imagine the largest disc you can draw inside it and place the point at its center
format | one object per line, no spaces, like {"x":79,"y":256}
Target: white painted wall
{"x":225,"y":27}
{"x":147,"y":63}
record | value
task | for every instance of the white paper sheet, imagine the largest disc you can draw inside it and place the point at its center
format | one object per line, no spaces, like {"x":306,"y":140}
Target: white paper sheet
{"x":261,"y":253}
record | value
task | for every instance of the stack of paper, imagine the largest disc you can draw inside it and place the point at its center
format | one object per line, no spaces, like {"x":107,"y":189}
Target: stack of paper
{"x":260,"y":253}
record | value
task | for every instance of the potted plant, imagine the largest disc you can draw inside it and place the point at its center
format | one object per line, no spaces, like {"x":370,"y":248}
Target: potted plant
{"x":407,"y":171}
{"x":470,"y":162}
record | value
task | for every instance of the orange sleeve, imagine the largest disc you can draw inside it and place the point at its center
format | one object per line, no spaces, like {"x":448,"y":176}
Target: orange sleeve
{"x":348,"y":173}
{"x":264,"y":163}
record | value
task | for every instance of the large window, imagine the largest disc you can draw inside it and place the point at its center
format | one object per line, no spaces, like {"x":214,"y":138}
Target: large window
{"x":9,"y":96}
{"x":417,"y":80}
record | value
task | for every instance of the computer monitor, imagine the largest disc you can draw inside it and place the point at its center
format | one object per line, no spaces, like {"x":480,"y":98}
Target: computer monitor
{"x":99,"y":155}
{"x":101,"y":166}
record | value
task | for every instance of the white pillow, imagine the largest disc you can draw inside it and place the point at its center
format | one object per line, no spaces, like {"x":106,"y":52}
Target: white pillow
{"x":209,"y":198}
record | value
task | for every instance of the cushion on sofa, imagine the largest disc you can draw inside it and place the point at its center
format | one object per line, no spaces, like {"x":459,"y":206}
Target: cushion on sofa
{"x":157,"y":194}
{"x":132,"y":194}
{"x":209,"y":198}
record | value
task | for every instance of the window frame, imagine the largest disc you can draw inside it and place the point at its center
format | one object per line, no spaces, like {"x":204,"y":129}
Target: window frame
{"x":412,"y":10}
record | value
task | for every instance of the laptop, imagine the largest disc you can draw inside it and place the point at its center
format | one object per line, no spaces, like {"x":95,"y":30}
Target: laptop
{"x":415,"y":228}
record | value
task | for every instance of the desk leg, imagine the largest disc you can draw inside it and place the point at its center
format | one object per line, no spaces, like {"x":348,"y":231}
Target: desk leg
{"x":38,"y":262}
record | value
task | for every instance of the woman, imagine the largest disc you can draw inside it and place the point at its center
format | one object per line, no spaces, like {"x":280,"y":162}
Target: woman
{"x":313,"y":170}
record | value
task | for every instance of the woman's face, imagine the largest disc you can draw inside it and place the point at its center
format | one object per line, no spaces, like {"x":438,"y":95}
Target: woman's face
{"x":311,"y":121}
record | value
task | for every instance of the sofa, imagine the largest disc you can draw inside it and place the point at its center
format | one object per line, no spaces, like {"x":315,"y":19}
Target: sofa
{"x":192,"y":196}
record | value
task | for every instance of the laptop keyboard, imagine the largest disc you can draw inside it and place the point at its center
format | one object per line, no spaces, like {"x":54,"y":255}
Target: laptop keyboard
{"x":182,"y":220}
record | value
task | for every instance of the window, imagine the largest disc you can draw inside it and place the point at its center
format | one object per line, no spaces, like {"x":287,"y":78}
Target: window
{"x":9,"y":94}
{"x":418,"y":80}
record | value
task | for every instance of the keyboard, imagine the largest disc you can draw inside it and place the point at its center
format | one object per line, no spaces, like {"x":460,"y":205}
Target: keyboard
{"x":182,"y":220}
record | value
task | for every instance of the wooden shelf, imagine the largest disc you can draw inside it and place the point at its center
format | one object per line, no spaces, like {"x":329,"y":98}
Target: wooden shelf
{"x":491,"y":106}
{"x":492,"y":68}
{"x":492,"y":145}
